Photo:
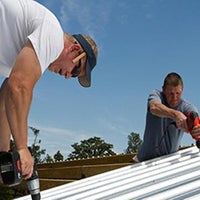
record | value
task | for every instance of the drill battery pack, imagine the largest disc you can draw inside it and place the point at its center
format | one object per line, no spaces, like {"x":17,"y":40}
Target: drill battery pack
{"x":10,"y":168}
{"x":192,"y":121}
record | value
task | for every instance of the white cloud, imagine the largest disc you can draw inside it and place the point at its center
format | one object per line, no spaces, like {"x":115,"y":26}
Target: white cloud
{"x":92,"y":16}
{"x":54,"y":139}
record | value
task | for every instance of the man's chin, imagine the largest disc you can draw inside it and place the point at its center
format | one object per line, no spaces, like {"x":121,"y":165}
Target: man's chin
{"x":173,"y":105}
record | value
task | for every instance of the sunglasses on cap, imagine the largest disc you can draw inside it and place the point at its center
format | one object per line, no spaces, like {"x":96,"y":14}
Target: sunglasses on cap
{"x":77,"y":69}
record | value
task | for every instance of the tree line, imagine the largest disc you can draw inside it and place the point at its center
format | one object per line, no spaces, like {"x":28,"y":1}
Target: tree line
{"x":88,"y":148}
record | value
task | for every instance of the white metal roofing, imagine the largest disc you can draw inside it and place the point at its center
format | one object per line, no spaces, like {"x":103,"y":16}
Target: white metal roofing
{"x":175,"y":176}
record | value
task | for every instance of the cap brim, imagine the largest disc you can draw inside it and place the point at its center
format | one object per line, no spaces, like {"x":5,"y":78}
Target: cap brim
{"x":85,"y":81}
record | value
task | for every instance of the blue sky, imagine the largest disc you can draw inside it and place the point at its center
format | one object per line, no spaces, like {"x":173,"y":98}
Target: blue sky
{"x":140,"y":42}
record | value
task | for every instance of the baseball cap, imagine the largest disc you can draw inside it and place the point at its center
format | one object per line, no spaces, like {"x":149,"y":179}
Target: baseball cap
{"x":90,"y":49}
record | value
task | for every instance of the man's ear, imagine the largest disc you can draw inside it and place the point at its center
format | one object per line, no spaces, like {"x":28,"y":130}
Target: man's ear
{"x":163,"y":88}
{"x":74,"y":47}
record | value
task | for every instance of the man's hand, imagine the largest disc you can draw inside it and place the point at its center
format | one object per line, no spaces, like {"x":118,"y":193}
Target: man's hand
{"x":27,"y":162}
{"x":181,"y":121}
{"x":196,"y":132}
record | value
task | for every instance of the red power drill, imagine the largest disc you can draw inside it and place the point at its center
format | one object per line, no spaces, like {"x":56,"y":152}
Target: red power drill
{"x":10,"y":168}
{"x":11,"y":173}
{"x":192,"y":121}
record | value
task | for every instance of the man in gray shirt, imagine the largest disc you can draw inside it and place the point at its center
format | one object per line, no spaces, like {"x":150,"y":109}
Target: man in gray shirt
{"x":166,"y":120}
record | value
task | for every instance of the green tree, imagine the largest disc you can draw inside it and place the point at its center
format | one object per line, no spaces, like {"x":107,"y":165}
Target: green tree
{"x":48,"y":159}
{"x":134,"y":143}
{"x":37,"y":152}
{"x":58,"y":157}
{"x":91,"y":148}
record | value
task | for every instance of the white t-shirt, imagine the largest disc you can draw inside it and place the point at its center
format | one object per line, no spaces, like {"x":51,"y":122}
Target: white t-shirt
{"x":21,"y":20}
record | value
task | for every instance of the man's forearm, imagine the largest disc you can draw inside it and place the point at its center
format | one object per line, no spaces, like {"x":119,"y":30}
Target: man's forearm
{"x":161,"y":110}
{"x":17,"y":104}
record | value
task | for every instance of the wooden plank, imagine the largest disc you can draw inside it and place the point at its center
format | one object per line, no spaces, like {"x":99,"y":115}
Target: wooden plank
{"x":77,"y":172}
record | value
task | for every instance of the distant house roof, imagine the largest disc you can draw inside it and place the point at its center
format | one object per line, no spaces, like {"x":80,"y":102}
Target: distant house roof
{"x":175,"y":176}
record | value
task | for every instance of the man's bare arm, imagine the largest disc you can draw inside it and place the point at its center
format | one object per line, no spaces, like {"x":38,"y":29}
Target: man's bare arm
{"x":19,"y":91}
{"x":160,"y":110}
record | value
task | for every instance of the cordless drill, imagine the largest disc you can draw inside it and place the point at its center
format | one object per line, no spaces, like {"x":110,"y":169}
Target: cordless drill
{"x":10,"y":168}
{"x":11,"y":173}
{"x":192,"y":121}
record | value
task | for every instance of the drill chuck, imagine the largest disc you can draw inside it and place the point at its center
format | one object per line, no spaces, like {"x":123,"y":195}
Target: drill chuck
{"x":33,"y":182}
{"x":34,"y":188}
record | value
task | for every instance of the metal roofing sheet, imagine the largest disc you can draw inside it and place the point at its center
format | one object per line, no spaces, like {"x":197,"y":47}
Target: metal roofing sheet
{"x":175,"y":176}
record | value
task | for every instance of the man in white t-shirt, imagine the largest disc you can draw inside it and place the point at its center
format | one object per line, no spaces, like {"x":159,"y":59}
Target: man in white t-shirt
{"x":32,"y":40}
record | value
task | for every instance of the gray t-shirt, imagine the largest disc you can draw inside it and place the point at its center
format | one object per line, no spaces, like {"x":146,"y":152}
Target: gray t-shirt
{"x":161,"y":137}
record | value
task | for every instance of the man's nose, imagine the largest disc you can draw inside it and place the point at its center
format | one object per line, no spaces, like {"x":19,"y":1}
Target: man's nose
{"x":175,"y":96}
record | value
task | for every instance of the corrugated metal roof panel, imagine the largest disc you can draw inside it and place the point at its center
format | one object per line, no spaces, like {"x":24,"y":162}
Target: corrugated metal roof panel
{"x":175,"y":176}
